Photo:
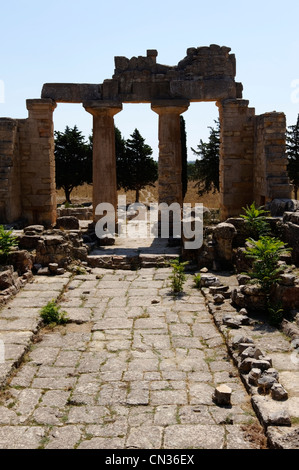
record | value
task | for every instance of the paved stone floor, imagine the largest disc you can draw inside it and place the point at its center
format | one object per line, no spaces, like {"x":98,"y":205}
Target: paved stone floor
{"x":134,"y":367}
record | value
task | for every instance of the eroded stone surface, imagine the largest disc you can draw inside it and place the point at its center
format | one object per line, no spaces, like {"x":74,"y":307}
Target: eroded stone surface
{"x":129,"y":381}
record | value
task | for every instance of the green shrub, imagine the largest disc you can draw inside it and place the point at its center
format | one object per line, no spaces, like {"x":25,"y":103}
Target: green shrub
{"x":52,"y":314}
{"x":7,"y":241}
{"x":197,"y":279}
{"x":178,"y":276}
{"x":256,"y":218}
{"x":276,"y":313}
{"x":265,"y":253}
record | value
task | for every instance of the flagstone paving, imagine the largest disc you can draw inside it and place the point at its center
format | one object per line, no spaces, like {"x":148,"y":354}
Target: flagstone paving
{"x":135,"y":367}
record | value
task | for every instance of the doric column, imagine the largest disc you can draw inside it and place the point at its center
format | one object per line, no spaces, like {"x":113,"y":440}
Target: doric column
{"x":104,"y":160}
{"x":170,"y":157}
{"x":37,"y":163}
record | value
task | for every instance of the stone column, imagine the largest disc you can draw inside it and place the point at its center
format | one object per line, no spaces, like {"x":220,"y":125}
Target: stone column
{"x":37,"y":163}
{"x":236,"y":156}
{"x":104,"y":160}
{"x":170,"y":158}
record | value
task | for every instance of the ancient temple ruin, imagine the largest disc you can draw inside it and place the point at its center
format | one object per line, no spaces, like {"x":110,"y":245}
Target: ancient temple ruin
{"x":253,"y":163}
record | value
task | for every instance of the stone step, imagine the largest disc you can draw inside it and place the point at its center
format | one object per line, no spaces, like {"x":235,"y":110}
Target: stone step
{"x":131,"y":261}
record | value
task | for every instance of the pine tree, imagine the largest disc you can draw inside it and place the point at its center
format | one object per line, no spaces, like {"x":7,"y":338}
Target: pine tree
{"x":206,"y":169}
{"x":292,"y":145}
{"x":73,"y":160}
{"x":135,"y":166}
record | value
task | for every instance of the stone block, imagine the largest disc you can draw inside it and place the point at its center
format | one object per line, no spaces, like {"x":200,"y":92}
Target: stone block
{"x":67,"y":223}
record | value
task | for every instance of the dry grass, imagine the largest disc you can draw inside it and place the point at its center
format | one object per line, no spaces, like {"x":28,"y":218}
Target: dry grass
{"x":254,"y":433}
{"x":83,"y":194}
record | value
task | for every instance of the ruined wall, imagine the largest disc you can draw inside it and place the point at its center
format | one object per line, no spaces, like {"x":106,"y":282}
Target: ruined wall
{"x":27,"y":166}
{"x":236,"y":156}
{"x":252,"y":153}
{"x":205,"y":74}
{"x":270,"y":177}
{"x":10,"y":191}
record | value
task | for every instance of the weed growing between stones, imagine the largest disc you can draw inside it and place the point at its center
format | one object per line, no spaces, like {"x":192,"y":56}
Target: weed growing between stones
{"x":197,"y":279}
{"x":178,"y":276}
{"x":52,"y":314}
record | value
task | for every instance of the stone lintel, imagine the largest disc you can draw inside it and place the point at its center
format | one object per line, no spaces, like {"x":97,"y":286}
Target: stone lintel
{"x":175,"y":106}
{"x":71,"y":92}
{"x":97,"y":108}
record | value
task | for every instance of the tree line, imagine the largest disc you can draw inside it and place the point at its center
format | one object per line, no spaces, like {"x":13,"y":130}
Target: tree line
{"x":136,"y":168}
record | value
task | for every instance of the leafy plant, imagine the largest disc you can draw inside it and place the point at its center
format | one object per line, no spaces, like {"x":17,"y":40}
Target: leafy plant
{"x":256,"y":218}
{"x":276,"y":313}
{"x":265,"y":253}
{"x":197,"y":279}
{"x":178,"y":276}
{"x":7,"y":241}
{"x":52,"y":314}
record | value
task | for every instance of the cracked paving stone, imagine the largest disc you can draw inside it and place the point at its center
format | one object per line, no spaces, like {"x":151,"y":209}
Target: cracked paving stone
{"x":166,"y":415}
{"x":21,"y":437}
{"x":48,"y":415}
{"x":57,"y":398}
{"x":195,"y":414}
{"x":171,"y":397}
{"x":27,"y":401}
{"x":197,"y":436}
{"x":24,"y":376}
{"x":87,"y":414}
{"x":7,"y":416}
{"x":139,"y":394}
{"x":53,"y":383}
{"x":201,"y":394}
{"x":112,"y":324}
{"x":65,"y":437}
{"x":43,"y":355}
{"x":53,"y":371}
{"x":145,"y":437}
{"x":102,"y":443}
{"x":117,"y":428}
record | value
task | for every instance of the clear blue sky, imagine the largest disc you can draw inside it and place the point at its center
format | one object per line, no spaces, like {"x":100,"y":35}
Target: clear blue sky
{"x":76,"y":41}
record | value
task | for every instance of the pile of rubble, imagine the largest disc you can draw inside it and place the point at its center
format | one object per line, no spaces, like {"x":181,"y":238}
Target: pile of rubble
{"x":255,"y":367}
{"x":53,"y":250}
{"x":11,"y":282}
{"x":42,"y":251}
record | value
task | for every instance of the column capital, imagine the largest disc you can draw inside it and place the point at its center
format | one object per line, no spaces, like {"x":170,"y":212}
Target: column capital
{"x":99,"y":108}
{"x":233,"y":103}
{"x":170,"y":106}
{"x":41,"y":104}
